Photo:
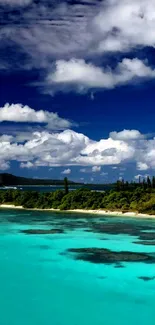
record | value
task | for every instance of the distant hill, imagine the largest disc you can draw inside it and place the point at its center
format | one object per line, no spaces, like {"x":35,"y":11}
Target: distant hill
{"x":9,"y":179}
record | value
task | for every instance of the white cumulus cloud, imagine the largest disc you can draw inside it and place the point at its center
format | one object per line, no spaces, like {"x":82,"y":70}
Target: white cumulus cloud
{"x":126,"y":135}
{"x":66,"y":171}
{"x":70,"y":33}
{"x":125,"y":24}
{"x":69,"y":148}
{"x":142,"y":166}
{"x":4,"y":165}
{"x":77,"y":73}
{"x":96,"y":169}
{"x":19,"y":113}
{"x":28,"y":165}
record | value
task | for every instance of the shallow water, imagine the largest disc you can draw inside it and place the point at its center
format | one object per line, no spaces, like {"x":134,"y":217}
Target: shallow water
{"x":42,"y":284}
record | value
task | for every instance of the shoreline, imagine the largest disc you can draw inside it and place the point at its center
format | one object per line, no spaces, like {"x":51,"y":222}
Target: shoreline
{"x":98,"y":212}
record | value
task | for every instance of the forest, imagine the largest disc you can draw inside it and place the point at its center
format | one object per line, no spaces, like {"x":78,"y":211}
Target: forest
{"x":123,"y":198}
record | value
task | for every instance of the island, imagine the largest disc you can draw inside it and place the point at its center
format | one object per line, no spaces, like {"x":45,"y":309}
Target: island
{"x":123,"y":198}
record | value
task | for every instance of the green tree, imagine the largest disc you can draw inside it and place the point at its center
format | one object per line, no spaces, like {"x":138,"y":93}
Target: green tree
{"x":153,"y":182}
{"x":1,"y":180}
{"x":144,"y":184}
{"x":148,"y":182}
{"x":126,"y":185}
{"x":66,"y":185}
{"x":119,"y":185}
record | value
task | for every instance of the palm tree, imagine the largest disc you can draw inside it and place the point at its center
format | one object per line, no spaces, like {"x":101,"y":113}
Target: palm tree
{"x":66,"y":185}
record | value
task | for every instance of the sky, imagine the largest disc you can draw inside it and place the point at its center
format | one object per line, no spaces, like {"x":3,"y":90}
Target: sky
{"x":77,"y":89}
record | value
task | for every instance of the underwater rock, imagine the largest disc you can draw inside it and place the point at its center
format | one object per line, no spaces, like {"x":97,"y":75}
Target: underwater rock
{"x":145,"y":242}
{"x":117,"y":228}
{"x":106,"y":256}
{"x":41,"y":231}
{"x":44,"y":247}
{"x":147,"y":236}
{"x":146,"y":278}
{"x":119,"y":266}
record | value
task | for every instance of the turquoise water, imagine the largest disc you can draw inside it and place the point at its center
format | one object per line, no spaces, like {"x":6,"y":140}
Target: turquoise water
{"x":42,"y":284}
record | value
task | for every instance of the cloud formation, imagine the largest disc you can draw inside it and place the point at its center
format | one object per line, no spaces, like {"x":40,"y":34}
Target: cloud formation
{"x":82,"y":75}
{"x":126,"y":135}
{"x":69,"y":148}
{"x":71,"y":34}
{"x":28,"y":165}
{"x":54,"y":28}
{"x":125,"y":24}
{"x":66,"y":171}
{"x":142,"y":166}
{"x":22,"y":114}
{"x":96,"y":169}
{"x":4,"y":165}
{"x":12,"y":3}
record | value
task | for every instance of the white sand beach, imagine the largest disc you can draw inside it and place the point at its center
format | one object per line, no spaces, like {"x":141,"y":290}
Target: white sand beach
{"x":95,"y":212}
{"x":10,"y":206}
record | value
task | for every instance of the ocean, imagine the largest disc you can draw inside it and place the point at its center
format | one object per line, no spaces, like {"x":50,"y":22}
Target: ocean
{"x":53,"y":188}
{"x":76,"y":269}
{"x":39,"y":188}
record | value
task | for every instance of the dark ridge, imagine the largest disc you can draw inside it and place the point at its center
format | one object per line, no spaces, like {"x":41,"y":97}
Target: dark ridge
{"x":9,"y":179}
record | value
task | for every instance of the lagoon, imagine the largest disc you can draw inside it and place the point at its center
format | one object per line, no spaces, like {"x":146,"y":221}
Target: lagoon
{"x":43,"y":283}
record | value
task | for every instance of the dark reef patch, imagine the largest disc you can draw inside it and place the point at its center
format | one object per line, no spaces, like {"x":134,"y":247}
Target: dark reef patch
{"x":41,"y":231}
{"x":118,"y":228}
{"x":63,"y":253}
{"x":70,"y":224}
{"x":106,"y":256}
{"x":146,"y":278}
{"x":145,"y":242}
{"x":44,"y":247}
{"x":147,"y":236}
{"x":88,"y":223}
{"x":119,"y":266}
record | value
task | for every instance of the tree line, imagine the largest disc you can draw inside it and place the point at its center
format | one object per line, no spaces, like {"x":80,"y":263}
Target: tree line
{"x":148,"y":183}
{"x":139,"y":199}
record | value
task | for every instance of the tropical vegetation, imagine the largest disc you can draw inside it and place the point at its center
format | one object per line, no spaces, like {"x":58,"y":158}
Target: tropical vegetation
{"x":123,"y":197}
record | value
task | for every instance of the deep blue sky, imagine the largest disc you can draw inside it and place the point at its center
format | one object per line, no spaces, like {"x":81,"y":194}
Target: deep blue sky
{"x":127,"y":107}
{"x":48,"y":64}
